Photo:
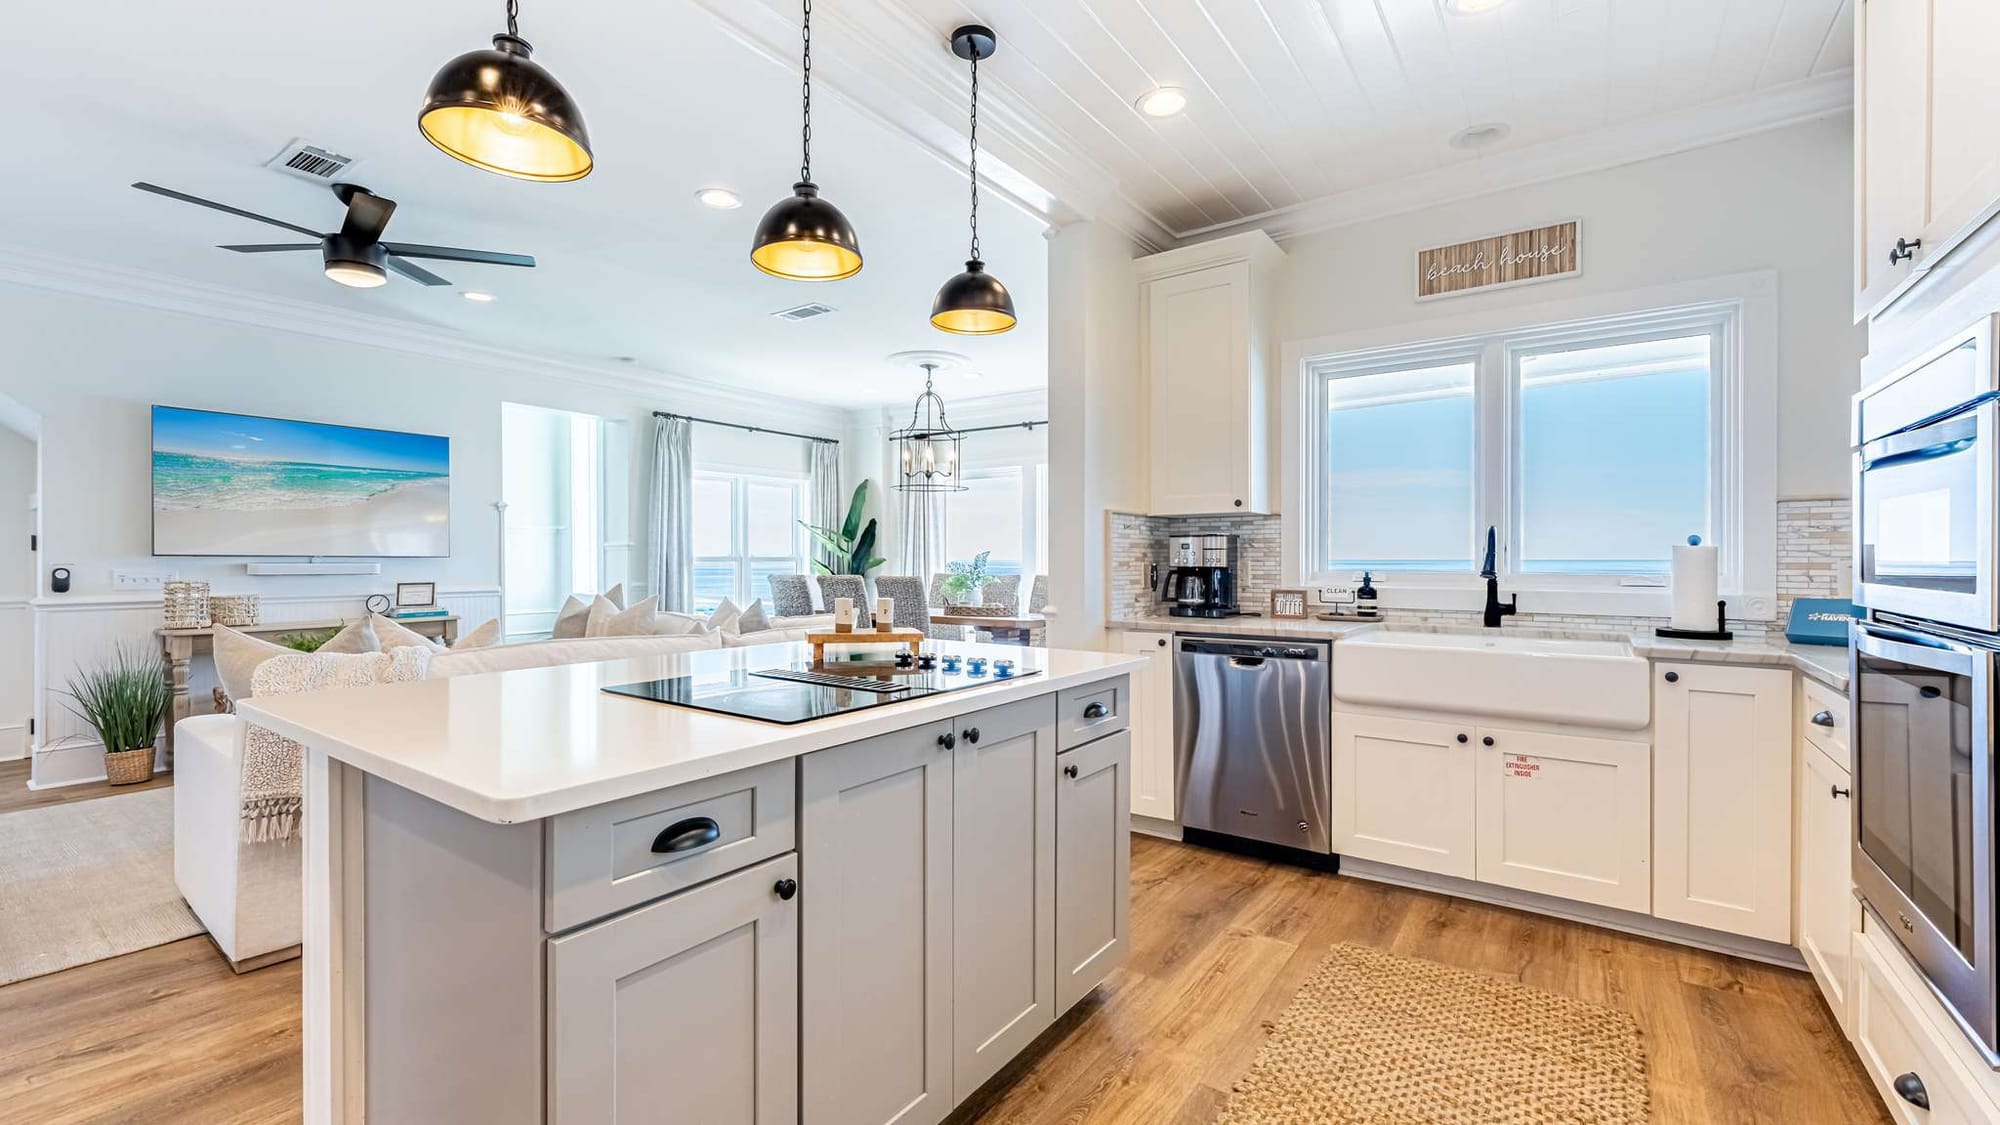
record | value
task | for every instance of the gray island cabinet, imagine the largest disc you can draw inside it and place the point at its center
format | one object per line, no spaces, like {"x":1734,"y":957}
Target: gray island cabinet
{"x":854,"y":921}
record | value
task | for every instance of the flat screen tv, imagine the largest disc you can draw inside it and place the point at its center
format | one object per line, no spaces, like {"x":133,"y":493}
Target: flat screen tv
{"x":237,"y":485}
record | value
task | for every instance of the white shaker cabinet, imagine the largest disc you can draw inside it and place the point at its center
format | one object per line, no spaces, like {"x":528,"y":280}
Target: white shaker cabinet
{"x":1565,"y":815}
{"x":1403,"y":792}
{"x":1829,"y":914}
{"x":875,"y":836}
{"x":688,"y":1005}
{"x":1093,"y":865}
{"x":1207,"y":374}
{"x":1722,"y":798}
{"x":1153,"y":753}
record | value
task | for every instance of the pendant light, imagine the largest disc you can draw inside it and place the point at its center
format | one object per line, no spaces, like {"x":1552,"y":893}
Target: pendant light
{"x":499,"y":110}
{"x":927,"y":448}
{"x":974,"y":303}
{"x":803,"y":237}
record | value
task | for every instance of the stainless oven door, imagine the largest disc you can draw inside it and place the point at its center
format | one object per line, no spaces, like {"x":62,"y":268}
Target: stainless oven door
{"x":1924,"y":520}
{"x":1922,"y":711}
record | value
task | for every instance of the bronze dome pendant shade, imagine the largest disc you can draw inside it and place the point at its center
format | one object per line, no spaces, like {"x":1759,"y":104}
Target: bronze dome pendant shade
{"x":974,"y":303}
{"x":499,"y":110}
{"x":803,"y":237}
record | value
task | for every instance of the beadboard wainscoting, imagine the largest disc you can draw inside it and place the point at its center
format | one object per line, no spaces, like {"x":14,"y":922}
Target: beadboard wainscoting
{"x":17,"y":676}
{"x":1815,"y":560}
{"x":78,"y":631}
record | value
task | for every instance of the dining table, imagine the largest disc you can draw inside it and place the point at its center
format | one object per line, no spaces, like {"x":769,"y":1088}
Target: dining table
{"x":1020,"y":629}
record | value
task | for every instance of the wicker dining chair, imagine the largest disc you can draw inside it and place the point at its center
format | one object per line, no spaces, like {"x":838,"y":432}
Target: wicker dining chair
{"x":854,"y":586}
{"x":1038,"y":594}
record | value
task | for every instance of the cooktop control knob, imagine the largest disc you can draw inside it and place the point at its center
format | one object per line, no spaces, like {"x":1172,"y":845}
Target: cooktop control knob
{"x":926,"y":662}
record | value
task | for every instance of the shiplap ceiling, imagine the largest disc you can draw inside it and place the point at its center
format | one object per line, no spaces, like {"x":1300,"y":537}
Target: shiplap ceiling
{"x":1293,"y":101}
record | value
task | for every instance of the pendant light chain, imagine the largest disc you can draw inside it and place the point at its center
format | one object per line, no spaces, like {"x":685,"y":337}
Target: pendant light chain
{"x":806,"y":97}
{"x":975,"y":155}
{"x":514,"y":18}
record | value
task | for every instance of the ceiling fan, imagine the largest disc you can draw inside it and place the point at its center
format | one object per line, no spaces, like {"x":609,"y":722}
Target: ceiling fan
{"x":355,"y":254}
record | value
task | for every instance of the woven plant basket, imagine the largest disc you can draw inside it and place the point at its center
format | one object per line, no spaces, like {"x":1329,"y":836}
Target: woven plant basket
{"x":128,"y":767}
{"x":989,"y":609}
{"x":234,"y":609}
{"x":186,"y":605}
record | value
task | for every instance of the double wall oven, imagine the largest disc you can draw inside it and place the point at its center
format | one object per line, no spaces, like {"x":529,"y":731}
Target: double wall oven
{"x":1924,"y":662}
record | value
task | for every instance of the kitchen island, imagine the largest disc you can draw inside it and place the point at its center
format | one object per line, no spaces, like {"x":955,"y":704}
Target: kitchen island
{"x":530,"y":900}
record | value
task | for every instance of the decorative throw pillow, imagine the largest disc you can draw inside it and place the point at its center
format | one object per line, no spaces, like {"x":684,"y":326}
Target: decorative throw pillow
{"x":634,"y":622}
{"x":670,"y":624}
{"x":394,"y":635}
{"x":486,"y":636}
{"x":570,"y":619}
{"x":616,"y":596}
{"x":725,"y":616}
{"x":601,"y":609}
{"x":356,"y":637}
{"x":754,"y":619}
{"x":237,"y":656}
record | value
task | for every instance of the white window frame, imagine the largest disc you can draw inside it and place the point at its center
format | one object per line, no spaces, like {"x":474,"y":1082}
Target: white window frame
{"x":1740,"y":313}
{"x":739,"y":529}
{"x":1031,"y":478}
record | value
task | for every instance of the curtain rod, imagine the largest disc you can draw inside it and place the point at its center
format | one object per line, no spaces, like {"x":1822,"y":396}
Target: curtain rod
{"x":1007,"y":426}
{"x":749,"y":429}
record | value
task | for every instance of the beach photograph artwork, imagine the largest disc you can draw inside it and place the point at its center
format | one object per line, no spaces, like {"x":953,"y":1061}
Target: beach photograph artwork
{"x":233,"y":484}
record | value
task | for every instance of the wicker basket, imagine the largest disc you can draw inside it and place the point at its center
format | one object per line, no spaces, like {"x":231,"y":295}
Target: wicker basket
{"x":128,"y":767}
{"x":186,"y":605}
{"x":989,"y":609}
{"x":234,"y":609}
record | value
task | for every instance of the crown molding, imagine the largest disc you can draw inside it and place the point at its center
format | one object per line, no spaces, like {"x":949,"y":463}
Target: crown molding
{"x":1661,"y":135}
{"x":33,"y":269}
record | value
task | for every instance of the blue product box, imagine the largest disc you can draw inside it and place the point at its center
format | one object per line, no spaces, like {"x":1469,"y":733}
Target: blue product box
{"x":1820,"y":621}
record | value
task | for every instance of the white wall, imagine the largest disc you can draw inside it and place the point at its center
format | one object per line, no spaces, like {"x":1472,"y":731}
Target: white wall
{"x":1781,"y":200}
{"x":17,"y":586}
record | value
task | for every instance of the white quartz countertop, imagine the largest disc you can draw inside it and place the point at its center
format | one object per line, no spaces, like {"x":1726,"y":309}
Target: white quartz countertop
{"x":515,"y":746}
{"x":1825,"y":663}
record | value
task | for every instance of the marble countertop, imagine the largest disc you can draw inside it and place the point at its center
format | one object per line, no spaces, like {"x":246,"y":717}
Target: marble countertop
{"x":516,"y":746}
{"x":1825,"y":663}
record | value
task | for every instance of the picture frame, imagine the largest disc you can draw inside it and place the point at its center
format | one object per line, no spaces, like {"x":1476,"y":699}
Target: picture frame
{"x":1289,"y":604}
{"x":416,"y":595}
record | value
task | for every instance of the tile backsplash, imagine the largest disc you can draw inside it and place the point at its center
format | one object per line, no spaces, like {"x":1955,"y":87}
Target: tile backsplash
{"x":1814,"y":561}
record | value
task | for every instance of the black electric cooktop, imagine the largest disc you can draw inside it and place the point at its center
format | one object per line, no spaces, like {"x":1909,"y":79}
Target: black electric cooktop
{"x":800,"y":693}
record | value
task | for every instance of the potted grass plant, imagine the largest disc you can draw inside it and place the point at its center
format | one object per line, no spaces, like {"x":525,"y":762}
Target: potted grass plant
{"x":123,"y":700}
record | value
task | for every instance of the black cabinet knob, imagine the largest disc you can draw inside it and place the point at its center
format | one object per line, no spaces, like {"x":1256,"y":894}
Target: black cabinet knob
{"x":947,"y":740}
{"x":1096,"y":711}
{"x":1904,"y":250}
{"x":687,"y":835}
{"x":785,"y":888}
{"x":1069,"y":771}
{"x":1162,"y":642}
{"x":1822,"y":718}
{"x":1464,"y":738}
{"x":1910,"y":1088}
{"x":1673,"y":677}
{"x":1487,"y":741}
{"x":972,"y":735}
{"x":1839,"y":792}
{"x":1239,"y":503}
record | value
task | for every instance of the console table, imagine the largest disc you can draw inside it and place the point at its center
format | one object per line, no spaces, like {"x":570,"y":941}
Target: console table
{"x":181,"y":646}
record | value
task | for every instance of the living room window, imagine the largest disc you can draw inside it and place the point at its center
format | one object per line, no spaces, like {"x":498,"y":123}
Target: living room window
{"x":746,"y":528}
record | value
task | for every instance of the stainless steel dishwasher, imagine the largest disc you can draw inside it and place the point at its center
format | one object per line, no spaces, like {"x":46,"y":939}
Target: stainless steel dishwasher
{"x":1252,"y":739}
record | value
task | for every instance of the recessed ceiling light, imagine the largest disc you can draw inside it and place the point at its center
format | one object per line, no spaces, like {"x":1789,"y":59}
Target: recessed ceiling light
{"x":477,"y":296}
{"x":1480,"y":136}
{"x":722,"y":199}
{"x":1163,"y":102}
{"x":1472,"y":7}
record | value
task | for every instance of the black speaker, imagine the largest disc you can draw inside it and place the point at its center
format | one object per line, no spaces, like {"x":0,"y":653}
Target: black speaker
{"x":59,"y":580}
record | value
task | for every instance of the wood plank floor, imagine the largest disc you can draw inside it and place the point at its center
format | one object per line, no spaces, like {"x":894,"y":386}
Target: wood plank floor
{"x":15,"y":794}
{"x":1220,"y":945}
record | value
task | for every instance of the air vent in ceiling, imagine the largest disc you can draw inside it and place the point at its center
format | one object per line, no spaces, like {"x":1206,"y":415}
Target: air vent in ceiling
{"x":309,"y":162}
{"x":803,"y":312}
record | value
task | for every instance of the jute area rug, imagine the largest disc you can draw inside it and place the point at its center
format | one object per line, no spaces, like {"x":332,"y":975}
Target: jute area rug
{"x":87,"y":880}
{"x":1376,"y":1039}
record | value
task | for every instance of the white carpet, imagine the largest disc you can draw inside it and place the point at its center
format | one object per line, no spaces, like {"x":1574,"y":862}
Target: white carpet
{"x":87,"y":880}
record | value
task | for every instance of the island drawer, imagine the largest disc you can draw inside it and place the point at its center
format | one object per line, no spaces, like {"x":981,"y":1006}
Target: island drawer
{"x":602,"y":860}
{"x":1823,"y":716}
{"x":1087,"y":713}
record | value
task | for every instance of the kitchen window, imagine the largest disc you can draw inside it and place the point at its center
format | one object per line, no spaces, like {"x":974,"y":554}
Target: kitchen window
{"x":746,"y":528}
{"x":1592,"y":445}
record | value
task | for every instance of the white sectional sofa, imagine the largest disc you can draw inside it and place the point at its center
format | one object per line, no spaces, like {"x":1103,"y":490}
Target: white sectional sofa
{"x":248,"y":894}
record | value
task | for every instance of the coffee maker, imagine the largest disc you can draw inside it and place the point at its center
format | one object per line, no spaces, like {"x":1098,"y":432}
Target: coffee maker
{"x":1201,"y":576}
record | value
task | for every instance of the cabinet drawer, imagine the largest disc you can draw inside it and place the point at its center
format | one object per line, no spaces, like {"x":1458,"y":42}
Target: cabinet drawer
{"x":1895,"y":1039}
{"x":1086,"y":713}
{"x":1823,"y":718}
{"x":604,"y":859}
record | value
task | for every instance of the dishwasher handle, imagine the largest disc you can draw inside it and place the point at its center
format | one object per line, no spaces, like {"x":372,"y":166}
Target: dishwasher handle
{"x":1251,"y":653}
{"x":1251,"y":663}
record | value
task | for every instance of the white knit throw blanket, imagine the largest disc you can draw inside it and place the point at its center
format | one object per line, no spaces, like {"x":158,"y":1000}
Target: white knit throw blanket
{"x":272,"y":763}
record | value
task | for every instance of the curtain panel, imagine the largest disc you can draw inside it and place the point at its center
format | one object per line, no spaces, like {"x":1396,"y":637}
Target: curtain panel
{"x":670,"y":533}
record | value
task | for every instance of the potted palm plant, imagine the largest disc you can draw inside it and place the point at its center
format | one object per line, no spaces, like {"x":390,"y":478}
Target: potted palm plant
{"x":849,"y":548}
{"x":123,"y":700}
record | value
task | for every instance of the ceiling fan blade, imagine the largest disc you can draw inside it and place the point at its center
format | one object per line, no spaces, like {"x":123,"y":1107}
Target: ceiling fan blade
{"x":367,"y":214}
{"x":271,"y":247}
{"x":414,"y":272}
{"x":224,"y":207}
{"x":458,"y":254}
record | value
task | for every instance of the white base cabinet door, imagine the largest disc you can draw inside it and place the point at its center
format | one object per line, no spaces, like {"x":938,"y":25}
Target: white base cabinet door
{"x":1829,"y":914}
{"x":685,"y":1009}
{"x":1403,"y":793}
{"x":1153,"y":762}
{"x":1722,"y":798}
{"x":1093,"y":866}
{"x":1566,"y":816}
{"x":1908,"y":1046}
{"x":875,"y":837}
{"x":1002,"y":887}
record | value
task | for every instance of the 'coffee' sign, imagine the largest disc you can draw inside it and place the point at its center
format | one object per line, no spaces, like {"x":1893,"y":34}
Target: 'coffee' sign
{"x":1520,"y":258}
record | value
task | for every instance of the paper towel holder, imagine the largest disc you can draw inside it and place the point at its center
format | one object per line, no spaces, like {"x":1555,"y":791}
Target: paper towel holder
{"x":1721,"y":632}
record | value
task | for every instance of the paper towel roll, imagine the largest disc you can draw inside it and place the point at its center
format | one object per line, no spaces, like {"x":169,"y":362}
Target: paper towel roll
{"x":1696,"y":587}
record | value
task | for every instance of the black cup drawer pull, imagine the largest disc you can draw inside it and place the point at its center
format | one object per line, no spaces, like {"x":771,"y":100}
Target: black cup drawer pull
{"x":1910,"y":1088}
{"x":687,"y":835}
{"x":1096,"y":711}
{"x":1822,"y":718}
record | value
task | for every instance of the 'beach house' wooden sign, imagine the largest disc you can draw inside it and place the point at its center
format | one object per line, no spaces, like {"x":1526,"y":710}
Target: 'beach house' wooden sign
{"x":1522,"y":257}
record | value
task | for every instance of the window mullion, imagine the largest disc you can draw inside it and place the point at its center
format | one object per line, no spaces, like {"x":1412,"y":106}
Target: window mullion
{"x":1493,"y":455}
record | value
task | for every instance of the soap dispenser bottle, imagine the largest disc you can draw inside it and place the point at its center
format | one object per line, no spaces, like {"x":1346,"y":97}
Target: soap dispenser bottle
{"x":1364,"y":597}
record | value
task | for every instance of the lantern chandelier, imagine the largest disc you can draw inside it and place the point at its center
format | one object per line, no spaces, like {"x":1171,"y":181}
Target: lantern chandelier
{"x":928,"y":446}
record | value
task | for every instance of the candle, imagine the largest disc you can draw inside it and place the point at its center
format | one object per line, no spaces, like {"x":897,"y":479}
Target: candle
{"x":843,"y":615}
{"x":885,"y":614}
